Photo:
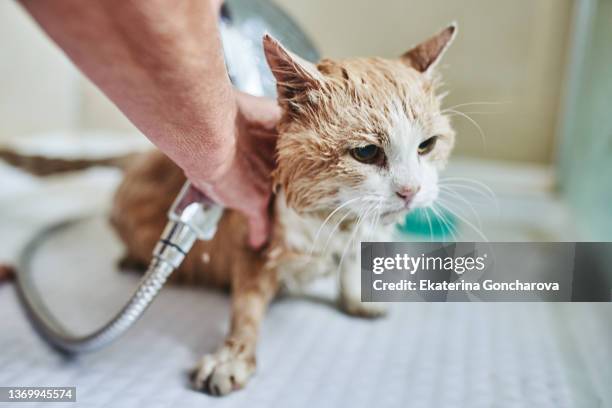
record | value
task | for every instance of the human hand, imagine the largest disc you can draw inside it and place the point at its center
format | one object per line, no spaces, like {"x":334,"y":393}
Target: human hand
{"x":161,"y":51}
{"x":245,"y":184}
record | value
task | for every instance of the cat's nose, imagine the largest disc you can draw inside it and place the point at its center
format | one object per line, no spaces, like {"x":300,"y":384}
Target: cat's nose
{"x":408,"y":193}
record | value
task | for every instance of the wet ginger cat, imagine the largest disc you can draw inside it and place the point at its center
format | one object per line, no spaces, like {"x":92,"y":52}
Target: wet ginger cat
{"x":360,"y":143}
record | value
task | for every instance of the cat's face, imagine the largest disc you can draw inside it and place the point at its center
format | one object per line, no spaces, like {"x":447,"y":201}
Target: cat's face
{"x":364,"y":133}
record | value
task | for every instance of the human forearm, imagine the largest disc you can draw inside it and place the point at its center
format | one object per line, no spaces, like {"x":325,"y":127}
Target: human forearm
{"x":160,"y":62}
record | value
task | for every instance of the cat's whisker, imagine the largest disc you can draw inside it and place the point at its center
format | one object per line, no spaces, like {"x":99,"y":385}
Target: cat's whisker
{"x":476,"y":186}
{"x":454,"y":230}
{"x":446,"y":222}
{"x":463,"y":199}
{"x":472,"y":113}
{"x":462,"y":210}
{"x":465,"y":221}
{"x":430,"y":226}
{"x":488,"y":200}
{"x":451,"y":227}
{"x":329,"y":236}
{"x":354,"y":234}
{"x":335,"y":228}
{"x":467,"y":180}
{"x":481,"y":103}
{"x":351,"y":238}
{"x":471,"y":120}
{"x":375,"y":219}
{"x":478,"y":231}
{"x":329,"y":217}
{"x":463,"y":217}
{"x":481,"y":192}
{"x":333,"y":231}
{"x":440,"y":218}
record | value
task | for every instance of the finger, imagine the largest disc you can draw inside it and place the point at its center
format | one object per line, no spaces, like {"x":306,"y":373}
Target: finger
{"x":262,"y":110}
{"x":257,"y":167}
{"x":263,"y":134}
{"x":268,"y":120}
{"x":208,"y":190}
{"x":270,"y":161}
{"x":259,"y":227}
{"x":262,"y":167}
{"x":266,"y":150}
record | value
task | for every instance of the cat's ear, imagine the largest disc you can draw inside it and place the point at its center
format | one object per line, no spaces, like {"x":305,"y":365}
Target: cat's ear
{"x":293,"y":74}
{"x":427,"y":54}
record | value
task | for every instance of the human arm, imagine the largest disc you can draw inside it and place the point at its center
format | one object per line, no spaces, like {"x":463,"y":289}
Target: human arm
{"x":161,"y":63}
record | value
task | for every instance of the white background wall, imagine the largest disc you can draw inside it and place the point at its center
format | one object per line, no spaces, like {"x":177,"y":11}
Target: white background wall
{"x":40,"y":90}
{"x":37,"y":85}
{"x":506,"y":51}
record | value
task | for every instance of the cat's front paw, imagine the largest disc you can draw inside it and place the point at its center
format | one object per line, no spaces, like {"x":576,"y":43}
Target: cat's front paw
{"x":225,"y":371}
{"x":355,"y":307}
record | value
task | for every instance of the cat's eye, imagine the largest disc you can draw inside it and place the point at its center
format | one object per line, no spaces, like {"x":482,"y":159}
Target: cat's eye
{"x":369,"y":154}
{"x":428,"y":145}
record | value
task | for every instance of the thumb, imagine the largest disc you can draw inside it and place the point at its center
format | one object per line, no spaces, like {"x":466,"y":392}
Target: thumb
{"x":259,"y":229}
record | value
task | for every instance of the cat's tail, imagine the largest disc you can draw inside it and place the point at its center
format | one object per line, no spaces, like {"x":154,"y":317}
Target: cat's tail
{"x":46,"y":166}
{"x":6,"y":273}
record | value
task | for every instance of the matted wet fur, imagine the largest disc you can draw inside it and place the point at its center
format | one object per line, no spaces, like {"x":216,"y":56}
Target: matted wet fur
{"x":326,"y":198}
{"x":360,"y":143}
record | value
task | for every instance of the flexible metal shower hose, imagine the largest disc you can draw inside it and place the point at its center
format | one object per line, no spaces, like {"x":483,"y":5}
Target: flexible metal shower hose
{"x":57,"y":334}
{"x":191,"y":217}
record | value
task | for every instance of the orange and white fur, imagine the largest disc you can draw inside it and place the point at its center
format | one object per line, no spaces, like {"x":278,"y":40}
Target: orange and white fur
{"x":360,"y":143}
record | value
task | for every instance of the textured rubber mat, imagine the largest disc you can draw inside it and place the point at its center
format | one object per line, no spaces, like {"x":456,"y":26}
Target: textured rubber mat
{"x":421,"y":355}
